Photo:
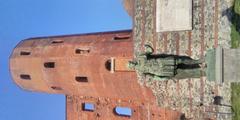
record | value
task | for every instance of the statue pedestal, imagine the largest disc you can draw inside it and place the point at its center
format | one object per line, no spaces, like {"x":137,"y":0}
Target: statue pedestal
{"x":223,"y":65}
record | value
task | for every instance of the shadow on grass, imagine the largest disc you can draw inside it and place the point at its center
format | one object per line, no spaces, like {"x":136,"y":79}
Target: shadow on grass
{"x":234,"y":18}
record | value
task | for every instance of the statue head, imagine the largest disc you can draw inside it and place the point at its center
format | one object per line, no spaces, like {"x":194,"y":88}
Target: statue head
{"x":132,"y":64}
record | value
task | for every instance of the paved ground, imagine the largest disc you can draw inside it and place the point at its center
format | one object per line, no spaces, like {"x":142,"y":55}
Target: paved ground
{"x":211,"y":28}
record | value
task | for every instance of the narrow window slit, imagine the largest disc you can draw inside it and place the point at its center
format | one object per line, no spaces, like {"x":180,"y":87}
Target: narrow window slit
{"x":56,"y":88}
{"x":25,"y":77}
{"x":57,"y":41}
{"x":82,"y":51}
{"x":81,"y":79}
{"x":121,"y":37}
{"x":25,"y":53}
{"x":49,"y":64}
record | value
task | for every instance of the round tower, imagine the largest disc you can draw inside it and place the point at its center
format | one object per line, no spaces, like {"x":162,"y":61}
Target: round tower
{"x":87,"y":64}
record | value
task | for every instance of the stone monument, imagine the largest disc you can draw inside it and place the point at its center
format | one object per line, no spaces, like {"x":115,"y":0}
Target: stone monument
{"x":223,"y":65}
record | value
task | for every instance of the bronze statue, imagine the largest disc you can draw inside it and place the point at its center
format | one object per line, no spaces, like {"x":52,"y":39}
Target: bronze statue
{"x":164,"y":66}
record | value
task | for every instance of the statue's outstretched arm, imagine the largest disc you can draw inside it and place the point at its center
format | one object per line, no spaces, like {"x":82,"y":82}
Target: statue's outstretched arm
{"x":160,"y":78}
{"x":155,"y":77}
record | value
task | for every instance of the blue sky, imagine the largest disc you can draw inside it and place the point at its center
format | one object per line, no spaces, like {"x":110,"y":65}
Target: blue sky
{"x":21,"y":19}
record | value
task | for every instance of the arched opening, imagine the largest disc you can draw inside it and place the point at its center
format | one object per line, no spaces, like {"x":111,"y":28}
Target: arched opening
{"x":108,"y":65}
{"x":123,"y":111}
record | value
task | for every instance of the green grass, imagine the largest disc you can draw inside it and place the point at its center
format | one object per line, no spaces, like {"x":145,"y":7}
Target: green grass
{"x":235,"y":34}
{"x":235,"y":42}
{"x":235,"y":98}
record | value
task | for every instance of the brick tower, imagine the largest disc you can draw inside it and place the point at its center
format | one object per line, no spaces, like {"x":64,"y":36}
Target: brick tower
{"x":91,"y":70}
{"x":88,"y":64}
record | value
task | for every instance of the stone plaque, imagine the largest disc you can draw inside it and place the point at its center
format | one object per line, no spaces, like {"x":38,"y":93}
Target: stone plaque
{"x":174,"y":15}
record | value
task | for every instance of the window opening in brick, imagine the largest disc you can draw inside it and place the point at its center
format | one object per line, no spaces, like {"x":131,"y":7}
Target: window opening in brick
{"x":25,"y":53}
{"x":56,"y":88}
{"x":108,"y":65}
{"x":82,"y":51}
{"x":123,"y":111}
{"x":121,"y":37}
{"x":49,"y":64}
{"x":88,"y":107}
{"x":81,"y":79}
{"x":57,"y":41}
{"x":25,"y":77}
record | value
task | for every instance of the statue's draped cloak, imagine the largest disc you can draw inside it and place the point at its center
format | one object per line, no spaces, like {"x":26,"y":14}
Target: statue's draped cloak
{"x":163,"y":67}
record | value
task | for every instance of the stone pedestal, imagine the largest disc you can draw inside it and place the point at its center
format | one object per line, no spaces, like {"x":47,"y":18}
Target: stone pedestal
{"x":223,"y":65}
